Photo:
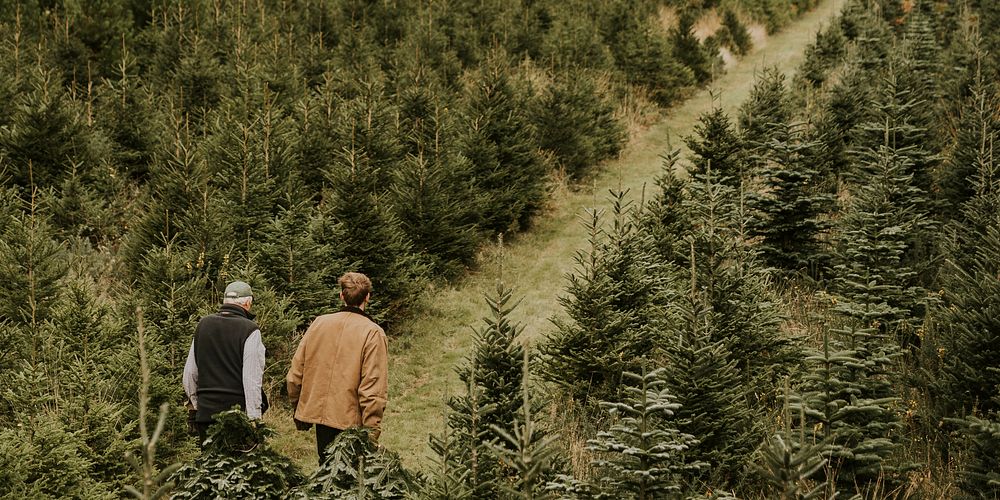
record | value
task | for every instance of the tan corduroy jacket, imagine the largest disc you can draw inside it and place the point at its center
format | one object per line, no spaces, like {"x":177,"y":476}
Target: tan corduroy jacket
{"x":339,"y":374}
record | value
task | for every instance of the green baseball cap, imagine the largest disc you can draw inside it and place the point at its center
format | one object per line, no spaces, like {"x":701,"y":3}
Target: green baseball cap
{"x":238,"y":290}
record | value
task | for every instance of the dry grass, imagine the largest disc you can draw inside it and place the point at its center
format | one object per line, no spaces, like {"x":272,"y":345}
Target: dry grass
{"x":707,"y":25}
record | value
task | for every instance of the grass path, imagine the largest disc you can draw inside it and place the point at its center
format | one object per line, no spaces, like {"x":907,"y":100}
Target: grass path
{"x":422,"y":362}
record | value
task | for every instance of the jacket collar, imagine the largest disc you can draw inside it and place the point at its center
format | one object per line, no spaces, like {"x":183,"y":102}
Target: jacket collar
{"x":237,"y":310}
{"x":356,"y":310}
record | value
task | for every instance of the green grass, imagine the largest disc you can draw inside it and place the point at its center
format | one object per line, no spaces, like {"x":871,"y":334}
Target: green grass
{"x":423,"y":360}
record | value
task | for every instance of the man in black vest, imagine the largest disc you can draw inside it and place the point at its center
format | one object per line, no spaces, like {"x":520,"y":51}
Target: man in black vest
{"x":225,"y":365}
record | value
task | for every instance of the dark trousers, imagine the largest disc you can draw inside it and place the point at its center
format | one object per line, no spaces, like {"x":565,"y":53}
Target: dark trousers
{"x":324,"y":436}
{"x":202,"y":428}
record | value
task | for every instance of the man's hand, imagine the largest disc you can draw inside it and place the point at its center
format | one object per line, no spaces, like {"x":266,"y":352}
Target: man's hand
{"x":192,"y":428}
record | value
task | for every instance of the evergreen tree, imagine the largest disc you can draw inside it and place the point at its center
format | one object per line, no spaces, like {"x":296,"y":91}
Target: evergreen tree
{"x":766,"y":114}
{"x":664,"y":217}
{"x":702,"y":374}
{"x":507,"y":173}
{"x":642,"y":454}
{"x":644,"y":54}
{"x":874,"y":283}
{"x":579,"y":124}
{"x":526,"y":449}
{"x":792,"y":206}
{"x":848,"y":409}
{"x":981,"y":478}
{"x":249,"y":158}
{"x":969,"y":326}
{"x":689,"y":51}
{"x":789,"y":460}
{"x":895,"y":122}
{"x":357,"y":468}
{"x":494,"y":376}
{"x":724,"y":272}
{"x":237,"y":460}
{"x":300,"y":257}
{"x":610,"y":303}
{"x":372,"y":235}
{"x":976,"y":131}
{"x":47,"y":134}
{"x":821,"y":56}
{"x":843,"y":109}
{"x":716,"y":146}
{"x":32,"y":265}
{"x":433,"y":203}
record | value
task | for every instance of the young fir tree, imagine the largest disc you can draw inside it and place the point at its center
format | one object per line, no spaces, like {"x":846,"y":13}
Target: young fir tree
{"x":126,"y":107}
{"x":237,"y":459}
{"x":702,"y":375}
{"x":969,"y":324}
{"x":689,"y":51}
{"x":981,"y":476}
{"x":843,"y":109}
{"x":493,"y":376}
{"x":433,"y":203}
{"x":664,"y":218}
{"x":507,"y":173}
{"x":724,"y":271}
{"x":180,"y":207}
{"x":789,"y":460}
{"x":976,"y":131}
{"x":32,"y":265}
{"x":765,"y":115}
{"x":821,"y":56}
{"x":372,"y":235}
{"x":299,"y":255}
{"x":717,"y":146}
{"x":526,"y":448}
{"x":643,"y":53}
{"x":47,"y":134}
{"x":611,"y":302}
{"x":579,"y":124}
{"x":792,"y":206}
{"x":873,"y":282}
{"x":895,"y":122}
{"x":357,"y":468}
{"x":250,"y":160}
{"x":841,"y":412}
{"x":641,"y":455}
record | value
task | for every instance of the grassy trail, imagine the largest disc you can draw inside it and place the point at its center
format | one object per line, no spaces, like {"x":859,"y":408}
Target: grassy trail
{"x":422,"y":362}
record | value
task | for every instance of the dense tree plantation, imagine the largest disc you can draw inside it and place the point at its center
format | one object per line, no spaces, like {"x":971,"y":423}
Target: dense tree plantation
{"x":805,"y":305}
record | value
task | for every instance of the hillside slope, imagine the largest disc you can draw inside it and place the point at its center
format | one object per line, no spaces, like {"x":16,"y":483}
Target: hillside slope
{"x":423,"y":360}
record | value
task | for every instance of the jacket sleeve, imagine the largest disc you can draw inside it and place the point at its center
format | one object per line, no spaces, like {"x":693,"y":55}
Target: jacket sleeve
{"x":190,"y":378}
{"x":253,"y":374}
{"x":293,"y":380}
{"x":373,"y":392}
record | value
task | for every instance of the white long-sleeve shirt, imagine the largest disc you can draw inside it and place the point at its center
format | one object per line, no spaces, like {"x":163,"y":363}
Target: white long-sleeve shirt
{"x":253,"y":374}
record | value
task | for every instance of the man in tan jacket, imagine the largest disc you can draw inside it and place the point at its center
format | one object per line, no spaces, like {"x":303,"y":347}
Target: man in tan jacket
{"x":339,"y":374}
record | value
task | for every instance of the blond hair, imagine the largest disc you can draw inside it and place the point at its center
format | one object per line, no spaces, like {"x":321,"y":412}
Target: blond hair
{"x":354,"y":288}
